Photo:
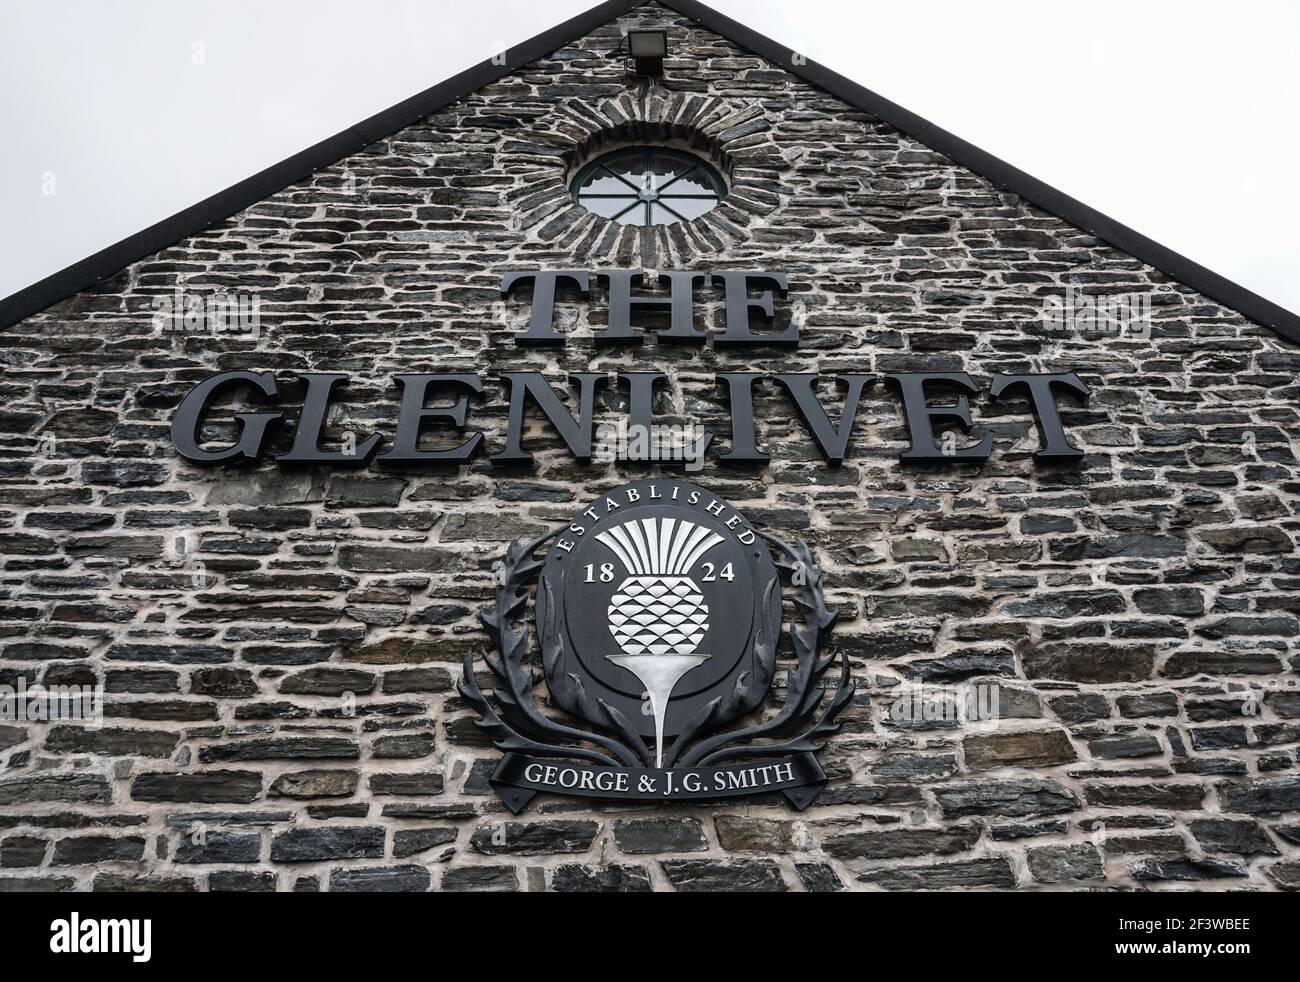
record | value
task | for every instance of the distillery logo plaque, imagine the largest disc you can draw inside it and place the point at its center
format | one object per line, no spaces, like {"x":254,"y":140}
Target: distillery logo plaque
{"x":658,"y":615}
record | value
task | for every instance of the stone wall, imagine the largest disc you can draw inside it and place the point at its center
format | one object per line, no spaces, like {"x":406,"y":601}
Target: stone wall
{"x":287,"y":718}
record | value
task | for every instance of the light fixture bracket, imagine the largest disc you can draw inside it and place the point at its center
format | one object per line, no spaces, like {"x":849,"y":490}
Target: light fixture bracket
{"x":648,"y":49}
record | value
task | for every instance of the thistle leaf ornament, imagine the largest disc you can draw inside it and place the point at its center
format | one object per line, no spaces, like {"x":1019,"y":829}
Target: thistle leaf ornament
{"x":511,"y":715}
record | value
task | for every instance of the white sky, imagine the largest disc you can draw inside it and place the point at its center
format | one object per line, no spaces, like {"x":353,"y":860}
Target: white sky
{"x":1177,"y":118}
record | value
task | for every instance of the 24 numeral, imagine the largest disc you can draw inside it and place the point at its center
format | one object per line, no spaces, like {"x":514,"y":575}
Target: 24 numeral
{"x":711,"y":574}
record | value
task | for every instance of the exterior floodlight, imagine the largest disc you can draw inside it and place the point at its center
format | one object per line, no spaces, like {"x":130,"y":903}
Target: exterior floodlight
{"x":649,"y":49}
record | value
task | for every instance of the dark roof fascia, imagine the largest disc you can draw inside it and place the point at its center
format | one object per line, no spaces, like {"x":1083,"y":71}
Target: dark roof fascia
{"x":1003,"y":174}
{"x":211,"y":211}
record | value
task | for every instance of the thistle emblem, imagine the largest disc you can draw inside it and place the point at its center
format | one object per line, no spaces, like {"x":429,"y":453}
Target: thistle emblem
{"x":658,"y":616}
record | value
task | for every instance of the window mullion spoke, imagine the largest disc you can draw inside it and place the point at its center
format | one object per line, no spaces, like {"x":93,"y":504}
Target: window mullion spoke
{"x":684,"y":178}
{"x":615,"y":174}
{"x":626,"y":210}
{"x":686,"y":173}
{"x":673,"y":211}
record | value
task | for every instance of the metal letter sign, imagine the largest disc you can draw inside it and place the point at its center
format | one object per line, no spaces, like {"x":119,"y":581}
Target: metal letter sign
{"x":749,"y":323}
{"x":658,"y":618}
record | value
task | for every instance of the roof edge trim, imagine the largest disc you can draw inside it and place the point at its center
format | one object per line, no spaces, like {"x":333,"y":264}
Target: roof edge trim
{"x":210,"y":211}
{"x":1233,"y":295}
{"x":204,"y":214}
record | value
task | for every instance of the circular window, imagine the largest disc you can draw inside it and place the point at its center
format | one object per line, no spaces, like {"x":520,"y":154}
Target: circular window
{"x":649,"y":186}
